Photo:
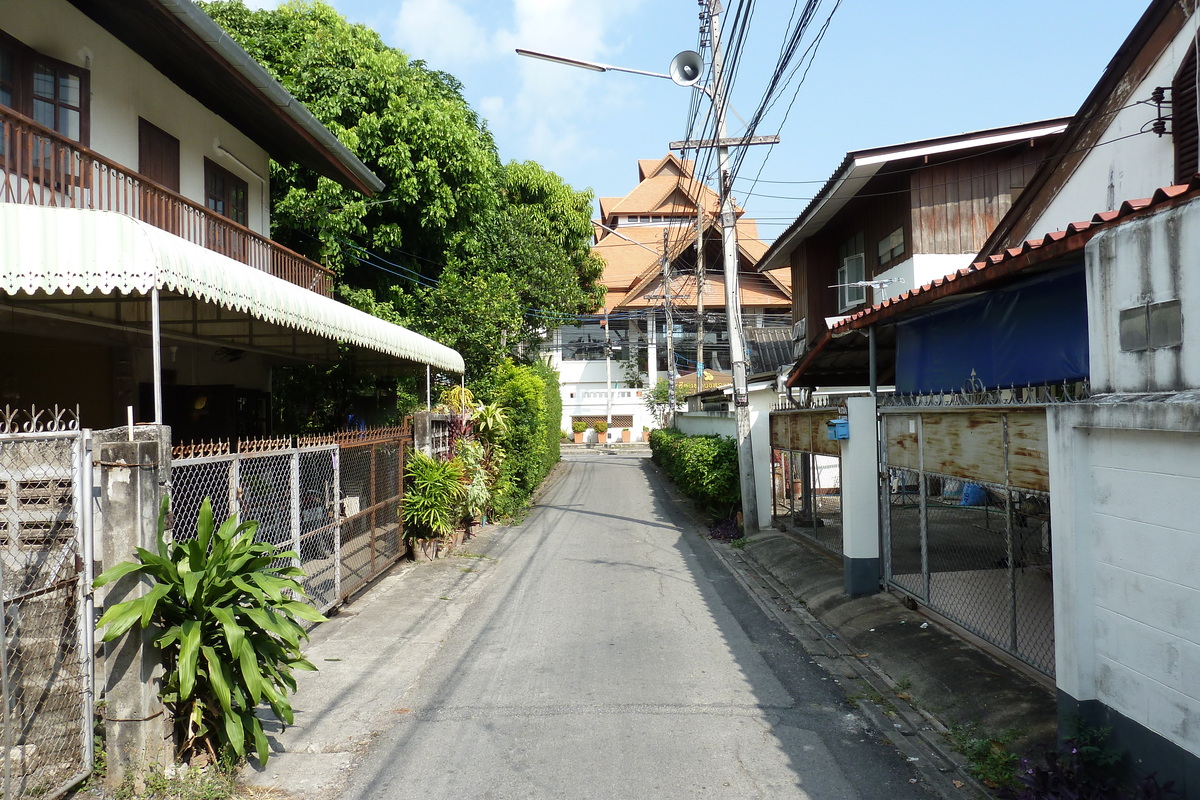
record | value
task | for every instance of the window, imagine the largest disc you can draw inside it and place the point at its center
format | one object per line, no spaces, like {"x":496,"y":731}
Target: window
{"x":1184,"y":128}
{"x":53,"y":93}
{"x":853,"y":269}
{"x":891,"y":246}
{"x":158,"y":155}
{"x":1151,"y":326}
{"x":225,"y":193}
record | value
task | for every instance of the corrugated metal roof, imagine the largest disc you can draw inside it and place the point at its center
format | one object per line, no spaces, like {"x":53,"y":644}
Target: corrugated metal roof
{"x":63,"y":251}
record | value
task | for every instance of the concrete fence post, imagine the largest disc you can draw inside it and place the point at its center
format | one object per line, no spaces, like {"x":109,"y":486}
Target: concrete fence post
{"x":860,"y":498}
{"x":133,"y":479}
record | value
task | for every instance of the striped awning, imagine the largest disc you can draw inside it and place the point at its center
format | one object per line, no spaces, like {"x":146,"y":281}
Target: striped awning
{"x":84,"y":255}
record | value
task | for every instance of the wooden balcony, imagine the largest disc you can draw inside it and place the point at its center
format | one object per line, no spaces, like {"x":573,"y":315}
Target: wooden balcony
{"x":40,"y":167}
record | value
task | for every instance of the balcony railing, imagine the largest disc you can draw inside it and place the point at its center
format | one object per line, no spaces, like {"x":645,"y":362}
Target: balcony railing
{"x":39,"y":167}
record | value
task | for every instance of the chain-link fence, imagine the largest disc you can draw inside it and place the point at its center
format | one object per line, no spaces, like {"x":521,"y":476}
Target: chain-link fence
{"x":975,"y":551}
{"x":291,"y":492}
{"x":46,"y":651}
{"x":372,"y":475}
{"x":333,"y":499}
{"x":808,"y":475}
{"x":808,"y":494}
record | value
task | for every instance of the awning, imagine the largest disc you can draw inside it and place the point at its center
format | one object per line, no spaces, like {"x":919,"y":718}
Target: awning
{"x":86,"y":265}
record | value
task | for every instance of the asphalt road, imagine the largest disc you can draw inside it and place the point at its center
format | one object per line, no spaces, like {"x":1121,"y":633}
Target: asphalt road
{"x":597,"y":650}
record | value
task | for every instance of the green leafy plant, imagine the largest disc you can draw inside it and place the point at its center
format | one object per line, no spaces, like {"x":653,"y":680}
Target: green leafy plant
{"x":478,"y":482}
{"x":579,"y":426}
{"x":601,"y":426}
{"x":991,"y":762}
{"x":433,"y":496}
{"x":229,"y":633}
{"x":490,"y":421}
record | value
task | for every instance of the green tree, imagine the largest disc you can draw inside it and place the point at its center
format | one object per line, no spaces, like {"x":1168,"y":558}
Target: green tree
{"x":408,"y":123}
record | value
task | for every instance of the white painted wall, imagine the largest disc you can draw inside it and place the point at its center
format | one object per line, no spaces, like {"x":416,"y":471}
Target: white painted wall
{"x":918,"y":271}
{"x":124,"y":87}
{"x":762,"y":399}
{"x":1148,"y":260}
{"x":1128,"y":169}
{"x":1125,"y":477}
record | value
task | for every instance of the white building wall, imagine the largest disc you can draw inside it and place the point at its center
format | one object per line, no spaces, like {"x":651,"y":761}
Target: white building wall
{"x":918,"y":271}
{"x":1124,"y":478}
{"x":1147,"y":260}
{"x":1122,"y":169}
{"x":124,"y":87}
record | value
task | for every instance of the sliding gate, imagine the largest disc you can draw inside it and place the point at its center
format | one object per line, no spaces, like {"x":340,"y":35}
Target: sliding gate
{"x":967,"y":521}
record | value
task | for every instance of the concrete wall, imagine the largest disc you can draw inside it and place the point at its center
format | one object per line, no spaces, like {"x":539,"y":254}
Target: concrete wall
{"x":124,"y":87}
{"x":700,"y":423}
{"x":1146,"y":261}
{"x":1126,"y":169}
{"x":1125,"y":475}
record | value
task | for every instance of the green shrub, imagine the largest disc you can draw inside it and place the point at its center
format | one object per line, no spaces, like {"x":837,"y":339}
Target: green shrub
{"x":705,"y":468}
{"x":579,"y":426}
{"x":229,"y":637}
{"x":530,"y":396}
{"x":601,"y":426}
{"x":433,"y":496}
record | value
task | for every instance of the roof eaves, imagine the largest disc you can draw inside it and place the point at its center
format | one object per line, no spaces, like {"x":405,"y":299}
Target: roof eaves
{"x":1015,"y":259}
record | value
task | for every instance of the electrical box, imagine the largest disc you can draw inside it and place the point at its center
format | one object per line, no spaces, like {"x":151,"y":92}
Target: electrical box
{"x":838,"y":429}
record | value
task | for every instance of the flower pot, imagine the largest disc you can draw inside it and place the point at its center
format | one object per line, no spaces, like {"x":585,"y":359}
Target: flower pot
{"x":423,"y":549}
{"x":645,"y":436}
{"x":625,"y":434}
{"x":579,"y":438}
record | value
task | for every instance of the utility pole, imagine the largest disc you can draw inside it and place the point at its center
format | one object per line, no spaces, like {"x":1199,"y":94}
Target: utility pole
{"x":733,"y":311}
{"x":699,"y":291}
{"x":666,"y":282}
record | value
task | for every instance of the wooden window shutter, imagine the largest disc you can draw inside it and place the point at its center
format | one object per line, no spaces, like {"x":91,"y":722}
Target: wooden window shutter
{"x":1184,"y":127}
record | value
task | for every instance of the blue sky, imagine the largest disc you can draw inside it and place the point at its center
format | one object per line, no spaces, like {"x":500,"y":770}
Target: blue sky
{"x":887,"y":71}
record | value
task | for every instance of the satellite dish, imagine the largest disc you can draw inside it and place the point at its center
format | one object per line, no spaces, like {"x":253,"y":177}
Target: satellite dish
{"x":686,"y":68}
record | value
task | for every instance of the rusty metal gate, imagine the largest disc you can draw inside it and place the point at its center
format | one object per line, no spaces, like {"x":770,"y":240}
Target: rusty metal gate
{"x":807,"y":468}
{"x":966,"y":528}
{"x":46,"y":640}
{"x":334,"y":499}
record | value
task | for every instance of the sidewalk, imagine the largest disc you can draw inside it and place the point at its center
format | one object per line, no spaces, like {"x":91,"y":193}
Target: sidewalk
{"x":927,"y":678}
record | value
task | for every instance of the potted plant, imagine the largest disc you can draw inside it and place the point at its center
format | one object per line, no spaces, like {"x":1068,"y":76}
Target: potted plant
{"x":433,"y":497}
{"x":601,"y":430}
{"x":579,"y":426}
{"x":625,"y":435}
{"x":478,"y":492}
{"x":645,"y":433}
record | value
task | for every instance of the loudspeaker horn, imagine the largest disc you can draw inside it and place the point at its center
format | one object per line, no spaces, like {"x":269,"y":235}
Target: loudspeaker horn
{"x":686,"y":68}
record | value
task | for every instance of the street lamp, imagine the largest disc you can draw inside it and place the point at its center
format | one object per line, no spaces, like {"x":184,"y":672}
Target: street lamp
{"x":686,"y":70}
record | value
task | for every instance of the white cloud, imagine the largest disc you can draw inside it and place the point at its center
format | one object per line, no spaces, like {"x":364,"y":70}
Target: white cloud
{"x":442,"y":33}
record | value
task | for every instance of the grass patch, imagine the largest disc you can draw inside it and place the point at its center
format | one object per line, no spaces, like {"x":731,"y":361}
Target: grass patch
{"x":989,"y":759}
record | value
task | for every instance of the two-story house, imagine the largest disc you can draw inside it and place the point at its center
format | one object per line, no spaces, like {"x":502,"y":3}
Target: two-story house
{"x":891,"y":219}
{"x":664,"y":309}
{"x":136,"y":265}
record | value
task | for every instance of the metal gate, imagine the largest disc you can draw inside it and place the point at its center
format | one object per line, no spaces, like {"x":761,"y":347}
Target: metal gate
{"x":967,"y":521}
{"x":808,"y":475}
{"x":333,"y":498}
{"x":46,"y":625}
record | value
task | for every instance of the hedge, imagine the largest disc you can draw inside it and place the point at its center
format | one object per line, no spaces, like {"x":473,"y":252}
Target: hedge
{"x":531,"y":401}
{"x":705,"y":468}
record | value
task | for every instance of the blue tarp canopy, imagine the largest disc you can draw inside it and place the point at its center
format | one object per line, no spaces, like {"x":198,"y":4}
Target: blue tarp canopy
{"x":1033,"y":333}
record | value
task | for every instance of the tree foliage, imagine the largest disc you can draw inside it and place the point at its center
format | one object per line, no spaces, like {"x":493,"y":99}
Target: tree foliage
{"x":478,"y":255}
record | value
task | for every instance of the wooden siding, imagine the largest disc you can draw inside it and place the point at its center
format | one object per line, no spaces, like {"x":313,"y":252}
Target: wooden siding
{"x":956,"y":205}
{"x":805,"y":430}
{"x":972,"y":444}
